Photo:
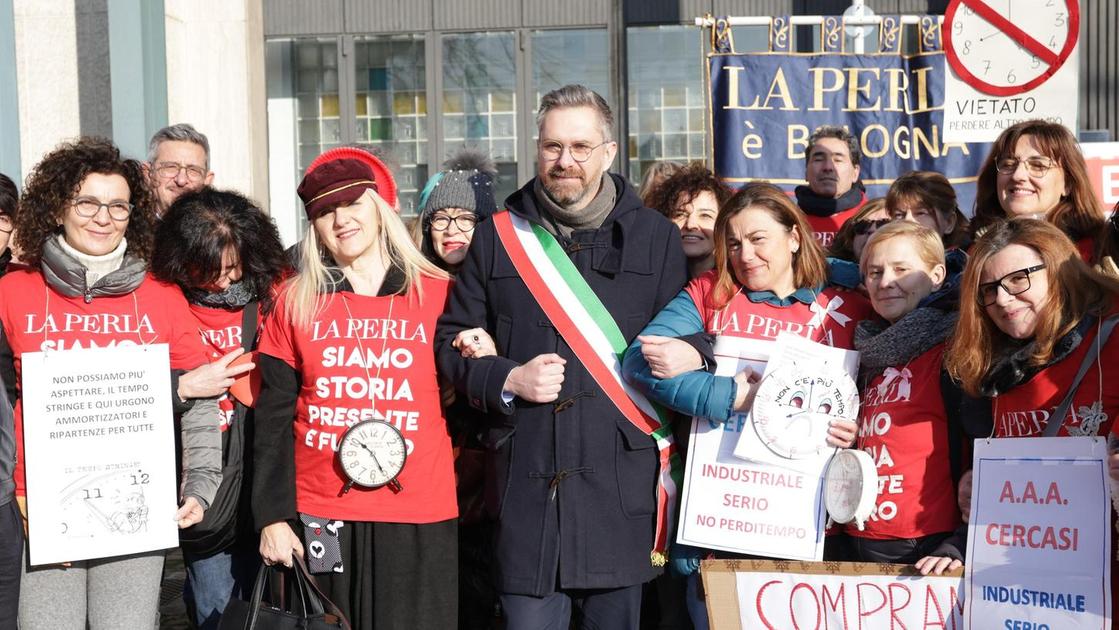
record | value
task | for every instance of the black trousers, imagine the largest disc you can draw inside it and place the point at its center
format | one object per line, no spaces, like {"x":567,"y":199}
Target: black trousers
{"x":397,"y":575}
{"x":595,"y":609}
{"x":896,"y":550}
{"x":11,"y":558}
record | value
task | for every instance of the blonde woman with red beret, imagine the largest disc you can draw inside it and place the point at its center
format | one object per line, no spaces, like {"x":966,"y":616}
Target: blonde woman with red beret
{"x":349,"y":394}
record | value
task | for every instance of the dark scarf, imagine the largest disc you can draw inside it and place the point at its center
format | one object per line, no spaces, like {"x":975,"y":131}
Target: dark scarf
{"x":560,"y":221}
{"x":66,"y":275}
{"x":1011,"y":367}
{"x":235,"y":296}
{"x":819,"y":206}
{"x":882,"y":345}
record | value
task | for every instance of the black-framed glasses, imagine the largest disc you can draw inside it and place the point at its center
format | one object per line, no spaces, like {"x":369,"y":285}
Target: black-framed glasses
{"x":171,"y":170}
{"x":464,"y":222}
{"x":1036,"y":166}
{"x":1013,"y":283}
{"x":6,"y":223}
{"x":580,"y":151}
{"x":88,"y":207}
{"x":870,"y":226}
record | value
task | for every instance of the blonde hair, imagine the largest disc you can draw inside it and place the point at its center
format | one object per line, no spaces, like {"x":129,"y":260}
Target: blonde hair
{"x":308,"y":292}
{"x":927,"y":243}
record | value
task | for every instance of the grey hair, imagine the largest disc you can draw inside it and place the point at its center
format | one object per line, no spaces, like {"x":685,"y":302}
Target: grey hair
{"x":839,"y":133}
{"x":182,"y":132}
{"x":575,"y":95}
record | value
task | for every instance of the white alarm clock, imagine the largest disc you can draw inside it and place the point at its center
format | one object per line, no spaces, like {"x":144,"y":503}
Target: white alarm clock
{"x":372,"y":453}
{"x":795,"y":404}
{"x":851,"y":487}
{"x":1008,"y":47}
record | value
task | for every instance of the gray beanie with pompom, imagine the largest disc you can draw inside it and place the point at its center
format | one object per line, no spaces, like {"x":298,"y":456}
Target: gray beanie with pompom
{"x":466,"y":182}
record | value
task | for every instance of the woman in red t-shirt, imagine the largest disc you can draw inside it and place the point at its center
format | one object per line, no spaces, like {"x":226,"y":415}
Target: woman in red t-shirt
{"x":225,"y":254}
{"x":84,"y":234}
{"x":1030,"y":309}
{"x":1035,"y":169}
{"x":350,"y":342}
{"x":912,"y":420}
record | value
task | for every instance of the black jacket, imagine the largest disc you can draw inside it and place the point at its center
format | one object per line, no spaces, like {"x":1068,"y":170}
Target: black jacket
{"x":572,"y":482}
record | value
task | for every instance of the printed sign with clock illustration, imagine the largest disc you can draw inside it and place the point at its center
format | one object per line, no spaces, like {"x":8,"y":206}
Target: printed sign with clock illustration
{"x":795,"y":404}
{"x":1008,"y":47}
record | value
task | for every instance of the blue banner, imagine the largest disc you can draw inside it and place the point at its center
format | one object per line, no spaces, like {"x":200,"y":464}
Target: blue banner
{"x":765,"y":106}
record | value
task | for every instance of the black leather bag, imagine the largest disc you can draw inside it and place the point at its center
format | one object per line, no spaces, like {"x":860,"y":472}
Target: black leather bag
{"x":309,"y":609}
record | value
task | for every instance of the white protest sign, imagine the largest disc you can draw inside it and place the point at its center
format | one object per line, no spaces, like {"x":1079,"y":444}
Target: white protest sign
{"x":1038,"y":552}
{"x":751,"y":507}
{"x":1008,"y":63}
{"x":781,"y":595}
{"x":100,"y":452}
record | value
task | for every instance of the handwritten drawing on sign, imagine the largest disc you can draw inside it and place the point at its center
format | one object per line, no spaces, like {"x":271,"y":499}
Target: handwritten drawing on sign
{"x":1011,"y":60}
{"x":100,"y":453}
{"x":1039,"y":537}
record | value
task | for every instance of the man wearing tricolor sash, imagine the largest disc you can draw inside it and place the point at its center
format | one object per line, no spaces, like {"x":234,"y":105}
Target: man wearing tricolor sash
{"x":583,"y":469}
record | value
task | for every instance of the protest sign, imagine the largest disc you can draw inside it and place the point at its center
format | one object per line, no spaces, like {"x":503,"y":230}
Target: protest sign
{"x":100,"y":452}
{"x":765,"y":106}
{"x":1102,"y":160}
{"x":1039,"y":538}
{"x":754,"y":507}
{"x":1006,"y":66}
{"x":777,"y":595}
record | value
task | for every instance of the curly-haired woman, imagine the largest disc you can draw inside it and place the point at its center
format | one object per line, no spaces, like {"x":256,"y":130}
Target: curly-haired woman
{"x":84,"y":231}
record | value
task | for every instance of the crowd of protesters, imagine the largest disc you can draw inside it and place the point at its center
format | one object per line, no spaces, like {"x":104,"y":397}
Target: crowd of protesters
{"x":530,"y":497}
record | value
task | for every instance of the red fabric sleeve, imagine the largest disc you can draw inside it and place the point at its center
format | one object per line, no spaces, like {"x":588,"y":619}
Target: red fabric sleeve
{"x":277,"y":335}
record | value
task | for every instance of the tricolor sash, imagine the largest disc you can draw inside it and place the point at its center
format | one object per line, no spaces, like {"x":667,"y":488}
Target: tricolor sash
{"x":593,"y":335}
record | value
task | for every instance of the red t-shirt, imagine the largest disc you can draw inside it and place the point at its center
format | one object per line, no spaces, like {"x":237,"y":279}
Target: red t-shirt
{"x":904,"y":428}
{"x":220,"y":331}
{"x":824,"y":228}
{"x":35,"y":317}
{"x":830,"y":319}
{"x":1025,"y":410}
{"x":362,"y":352}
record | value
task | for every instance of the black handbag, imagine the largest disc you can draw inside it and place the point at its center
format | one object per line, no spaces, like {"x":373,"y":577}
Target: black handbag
{"x":315,"y":611}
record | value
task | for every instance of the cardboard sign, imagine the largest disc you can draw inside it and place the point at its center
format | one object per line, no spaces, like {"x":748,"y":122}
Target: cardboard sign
{"x":100,"y":452}
{"x":1039,"y":538}
{"x":778,"y":595}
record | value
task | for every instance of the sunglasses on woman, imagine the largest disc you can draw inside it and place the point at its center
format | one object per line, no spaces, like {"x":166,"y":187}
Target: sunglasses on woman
{"x":869,"y":226}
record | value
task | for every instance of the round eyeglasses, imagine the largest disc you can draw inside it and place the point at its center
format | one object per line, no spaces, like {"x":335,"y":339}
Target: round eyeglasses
{"x":88,"y":207}
{"x":580,"y":151}
{"x":1036,"y":166}
{"x":464,"y":222}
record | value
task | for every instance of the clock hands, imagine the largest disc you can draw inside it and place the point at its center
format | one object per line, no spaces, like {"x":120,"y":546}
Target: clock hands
{"x":376,"y":462}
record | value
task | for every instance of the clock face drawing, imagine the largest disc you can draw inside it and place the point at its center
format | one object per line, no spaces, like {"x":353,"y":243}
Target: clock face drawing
{"x":372,"y":453}
{"x":110,"y":502}
{"x":1006,"y":47}
{"x":795,"y":404}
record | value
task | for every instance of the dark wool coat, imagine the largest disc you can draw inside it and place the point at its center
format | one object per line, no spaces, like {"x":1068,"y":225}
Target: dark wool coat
{"x":571,"y":482}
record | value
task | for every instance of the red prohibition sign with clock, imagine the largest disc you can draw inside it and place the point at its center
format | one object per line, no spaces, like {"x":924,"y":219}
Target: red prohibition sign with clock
{"x":1006,"y":47}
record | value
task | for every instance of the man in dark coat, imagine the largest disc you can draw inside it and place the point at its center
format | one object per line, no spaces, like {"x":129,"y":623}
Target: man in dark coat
{"x":572,"y":481}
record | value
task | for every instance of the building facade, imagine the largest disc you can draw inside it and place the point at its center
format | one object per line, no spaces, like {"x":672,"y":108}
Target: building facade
{"x":273,"y":83}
